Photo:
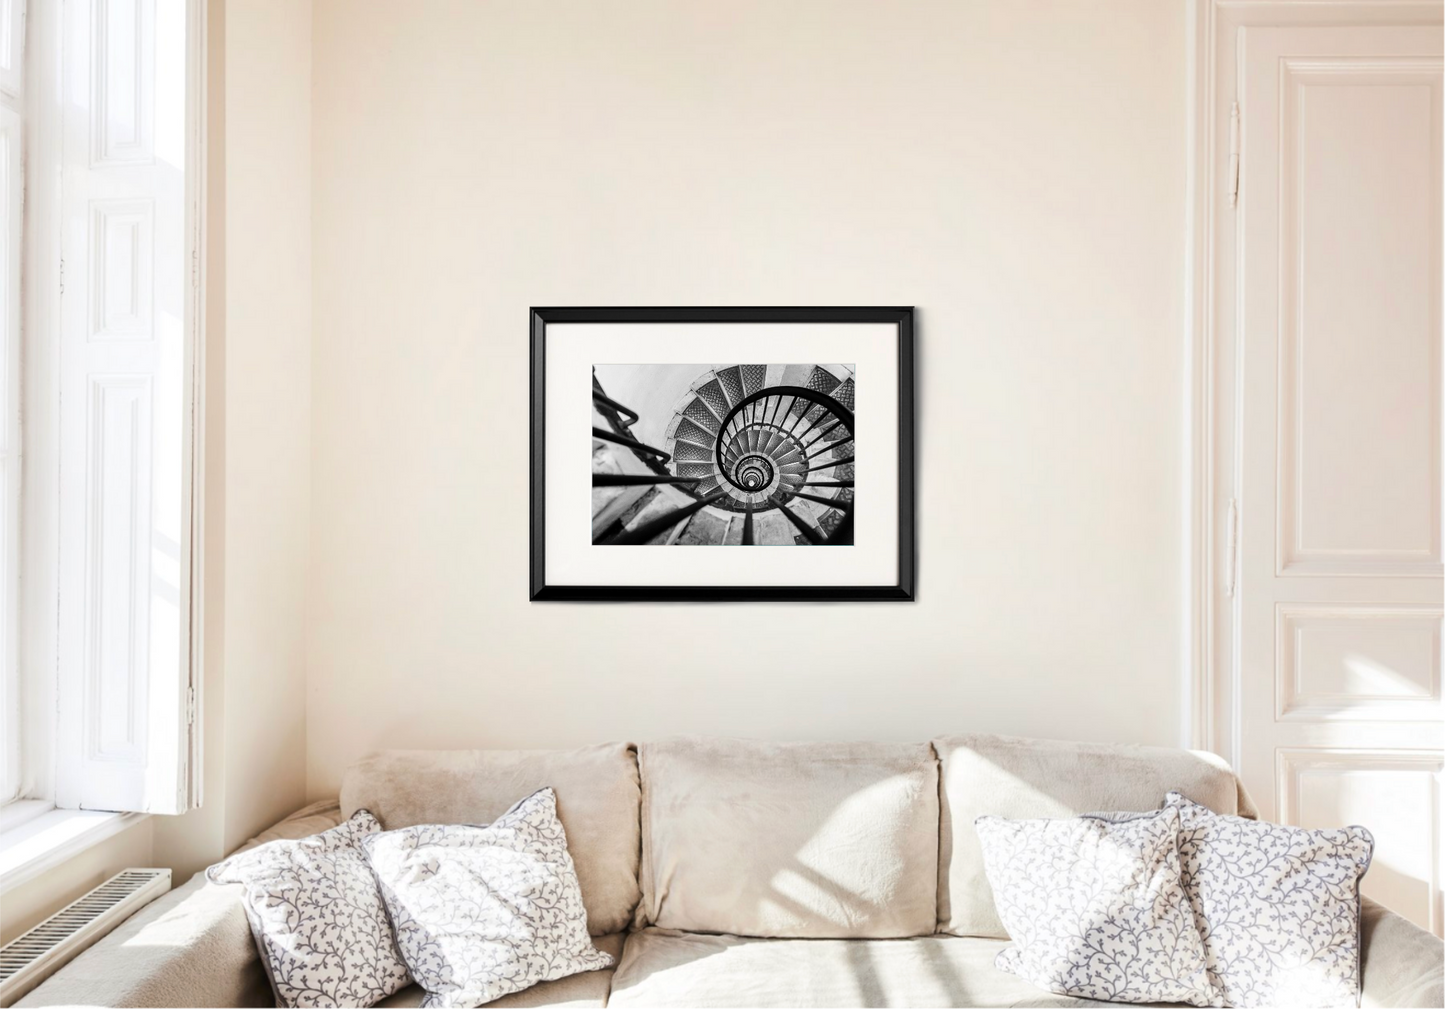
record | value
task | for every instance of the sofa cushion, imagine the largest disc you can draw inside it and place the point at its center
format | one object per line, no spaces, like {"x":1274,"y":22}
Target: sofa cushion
{"x":1402,"y":961}
{"x":1029,"y":778}
{"x":597,"y":801}
{"x":580,"y":991}
{"x":668,"y":968}
{"x":804,"y":840}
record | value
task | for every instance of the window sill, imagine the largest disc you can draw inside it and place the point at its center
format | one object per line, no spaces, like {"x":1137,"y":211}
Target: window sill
{"x":45,"y":837}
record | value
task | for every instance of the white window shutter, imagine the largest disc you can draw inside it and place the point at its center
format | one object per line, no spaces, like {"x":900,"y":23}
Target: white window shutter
{"x":126,"y":328}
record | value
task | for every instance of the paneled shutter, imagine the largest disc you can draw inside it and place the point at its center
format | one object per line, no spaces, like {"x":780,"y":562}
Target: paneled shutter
{"x":126,"y":702}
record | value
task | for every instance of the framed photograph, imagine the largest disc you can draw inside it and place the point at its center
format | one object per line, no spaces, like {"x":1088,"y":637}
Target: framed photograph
{"x":748,"y":429}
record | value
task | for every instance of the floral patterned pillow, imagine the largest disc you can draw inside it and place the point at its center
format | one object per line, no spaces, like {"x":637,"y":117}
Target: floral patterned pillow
{"x":1278,"y":907}
{"x":1095,"y":907}
{"x":484,"y":911}
{"x":317,"y":917}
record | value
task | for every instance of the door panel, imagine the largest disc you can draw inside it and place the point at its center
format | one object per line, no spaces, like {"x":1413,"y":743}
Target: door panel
{"x":1397,"y":795}
{"x":1359,"y":383}
{"x":1339,"y":420}
{"x":1353,"y":663}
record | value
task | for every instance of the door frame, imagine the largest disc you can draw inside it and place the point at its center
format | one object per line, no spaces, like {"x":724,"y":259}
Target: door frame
{"x":1211,"y":661}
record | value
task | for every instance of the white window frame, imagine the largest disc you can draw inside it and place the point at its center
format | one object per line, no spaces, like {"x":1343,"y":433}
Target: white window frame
{"x":12,"y":182}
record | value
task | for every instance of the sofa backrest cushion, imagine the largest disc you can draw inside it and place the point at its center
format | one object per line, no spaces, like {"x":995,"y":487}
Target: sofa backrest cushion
{"x":1027,"y":778}
{"x":800,"y":840}
{"x":598,"y":799}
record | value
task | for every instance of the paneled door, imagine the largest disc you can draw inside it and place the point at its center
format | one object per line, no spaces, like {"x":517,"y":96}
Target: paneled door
{"x":1338,"y":604}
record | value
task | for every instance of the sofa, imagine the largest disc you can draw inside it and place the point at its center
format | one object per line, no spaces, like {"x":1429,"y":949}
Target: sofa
{"x":736,"y":873}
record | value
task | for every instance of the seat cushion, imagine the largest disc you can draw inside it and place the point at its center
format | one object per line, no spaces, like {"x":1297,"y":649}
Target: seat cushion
{"x":579,"y":990}
{"x":661,"y":967}
{"x":598,"y":799}
{"x":1031,"y":778}
{"x":797,"y":840}
{"x":1402,"y":961}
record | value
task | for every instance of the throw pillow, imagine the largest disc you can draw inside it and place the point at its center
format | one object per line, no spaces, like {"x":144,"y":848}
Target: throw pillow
{"x":1095,"y":907}
{"x":1278,"y":907}
{"x":483,"y":911}
{"x":317,"y":917}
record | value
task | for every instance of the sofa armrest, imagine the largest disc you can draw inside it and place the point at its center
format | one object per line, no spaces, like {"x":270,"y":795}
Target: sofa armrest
{"x":192,"y":947}
{"x":1403,"y":964}
{"x":307,"y":820}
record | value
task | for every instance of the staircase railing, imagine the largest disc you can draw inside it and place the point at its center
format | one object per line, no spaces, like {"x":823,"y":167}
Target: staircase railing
{"x":764,"y":450}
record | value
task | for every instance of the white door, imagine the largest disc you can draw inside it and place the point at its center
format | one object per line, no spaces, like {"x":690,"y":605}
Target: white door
{"x":1339,"y":593}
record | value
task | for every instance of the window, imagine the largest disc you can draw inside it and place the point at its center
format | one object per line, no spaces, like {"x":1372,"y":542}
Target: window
{"x":100,"y":689}
{"x":12,"y":136}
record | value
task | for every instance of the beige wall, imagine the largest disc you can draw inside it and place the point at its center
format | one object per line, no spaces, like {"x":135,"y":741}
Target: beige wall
{"x":268,"y":407}
{"x":1014,"y":169}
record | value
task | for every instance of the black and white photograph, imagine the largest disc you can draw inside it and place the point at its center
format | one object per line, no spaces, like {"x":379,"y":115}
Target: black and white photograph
{"x":723,"y":455}
{"x":722,"y":427}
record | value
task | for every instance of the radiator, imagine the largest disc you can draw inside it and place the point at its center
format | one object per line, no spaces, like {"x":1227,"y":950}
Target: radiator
{"x":34,"y":956}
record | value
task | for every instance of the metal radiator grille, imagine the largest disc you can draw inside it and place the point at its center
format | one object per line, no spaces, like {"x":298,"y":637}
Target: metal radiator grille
{"x":34,"y":956}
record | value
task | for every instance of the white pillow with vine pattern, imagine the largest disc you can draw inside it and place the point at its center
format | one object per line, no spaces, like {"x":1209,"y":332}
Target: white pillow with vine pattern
{"x":317,"y":917}
{"x":1095,"y":907}
{"x":483,"y":911}
{"x":1278,"y":907}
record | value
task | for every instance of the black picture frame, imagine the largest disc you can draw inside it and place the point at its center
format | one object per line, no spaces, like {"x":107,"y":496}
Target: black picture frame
{"x":902,"y":591}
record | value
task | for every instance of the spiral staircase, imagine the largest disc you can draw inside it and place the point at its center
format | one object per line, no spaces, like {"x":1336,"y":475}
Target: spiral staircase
{"x":754,"y":455}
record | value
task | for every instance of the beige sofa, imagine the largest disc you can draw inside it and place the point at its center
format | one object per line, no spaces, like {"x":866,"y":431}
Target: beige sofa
{"x":733,"y":873}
